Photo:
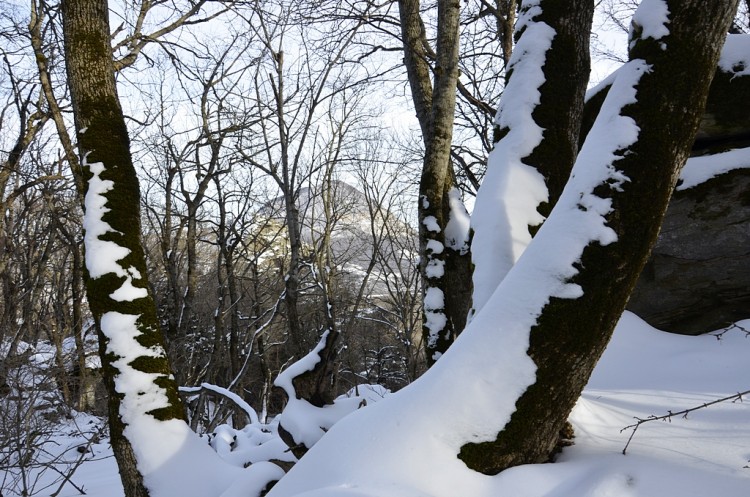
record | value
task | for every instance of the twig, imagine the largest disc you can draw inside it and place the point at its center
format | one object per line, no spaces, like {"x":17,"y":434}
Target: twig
{"x":734,"y":326}
{"x":668,"y":417}
{"x":67,"y":476}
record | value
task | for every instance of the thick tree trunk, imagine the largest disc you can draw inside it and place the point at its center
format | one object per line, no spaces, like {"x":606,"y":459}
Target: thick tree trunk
{"x":119,"y":289}
{"x":571,"y":333}
{"x":698,"y":277}
{"x":566,"y":70}
{"x":532,"y":168}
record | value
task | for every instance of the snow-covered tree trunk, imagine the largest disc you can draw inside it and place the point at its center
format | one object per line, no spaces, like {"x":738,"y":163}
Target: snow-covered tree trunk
{"x":621,"y":185}
{"x":500,"y":395}
{"x":443,"y":226}
{"x":145,"y":412}
{"x":698,"y":276}
{"x":537,"y":127}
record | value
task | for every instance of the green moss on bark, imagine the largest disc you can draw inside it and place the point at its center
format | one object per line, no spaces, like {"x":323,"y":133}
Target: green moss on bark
{"x":102,"y":137}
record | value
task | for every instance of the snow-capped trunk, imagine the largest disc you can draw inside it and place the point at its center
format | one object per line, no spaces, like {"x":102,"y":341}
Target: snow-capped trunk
{"x":609,"y":214}
{"x":537,"y":126}
{"x":698,"y":276}
{"x":501,"y":393}
{"x":445,"y":263}
{"x":115,"y":266}
{"x":149,"y":435}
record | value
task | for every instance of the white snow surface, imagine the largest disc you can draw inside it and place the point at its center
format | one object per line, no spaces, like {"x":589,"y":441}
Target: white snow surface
{"x":435,"y":247}
{"x":643,"y":372}
{"x":698,"y":170}
{"x":434,"y":298}
{"x":652,"y":16}
{"x":102,"y":256}
{"x":434,"y":314}
{"x":735,"y":56}
{"x":457,"y":228}
{"x":435,"y":321}
{"x":511,"y":190}
{"x":702,"y":455}
{"x":435,"y":268}
{"x":141,"y":394}
{"x":430,"y":222}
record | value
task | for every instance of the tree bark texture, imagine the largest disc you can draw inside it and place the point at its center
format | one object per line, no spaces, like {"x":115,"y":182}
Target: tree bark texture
{"x":571,"y":334}
{"x":566,"y":71}
{"x":103,"y":138}
{"x":698,"y":276}
{"x":537,"y":139}
{"x":435,"y":102}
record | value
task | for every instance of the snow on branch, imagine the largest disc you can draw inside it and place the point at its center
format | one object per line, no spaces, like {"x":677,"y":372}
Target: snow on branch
{"x":302,"y":423}
{"x":700,"y":169}
{"x":236,"y":399}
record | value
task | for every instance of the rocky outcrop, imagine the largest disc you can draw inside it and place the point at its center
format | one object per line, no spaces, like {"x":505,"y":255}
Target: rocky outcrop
{"x":698,"y":277}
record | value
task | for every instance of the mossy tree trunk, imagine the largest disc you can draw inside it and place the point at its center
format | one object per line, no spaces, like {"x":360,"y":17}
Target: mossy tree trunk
{"x":566,"y":70}
{"x":445,"y":264}
{"x":120,"y":289}
{"x":571,"y":334}
{"x":536,"y":140}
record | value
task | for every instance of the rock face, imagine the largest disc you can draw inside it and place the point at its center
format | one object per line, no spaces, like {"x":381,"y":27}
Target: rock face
{"x":698,"y":277}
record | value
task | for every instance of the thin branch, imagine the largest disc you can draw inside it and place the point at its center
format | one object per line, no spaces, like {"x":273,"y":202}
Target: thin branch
{"x":225,"y":393}
{"x":668,"y":417}
{"x":720,"y":334}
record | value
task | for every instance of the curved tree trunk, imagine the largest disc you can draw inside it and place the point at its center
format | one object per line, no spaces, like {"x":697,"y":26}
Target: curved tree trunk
{"x":116,"y":283}
{"x":664,"y":94}
{"x":698,"y":276}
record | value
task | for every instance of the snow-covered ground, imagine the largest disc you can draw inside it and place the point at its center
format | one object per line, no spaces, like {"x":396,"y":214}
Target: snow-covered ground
{"x":643,"y":373}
